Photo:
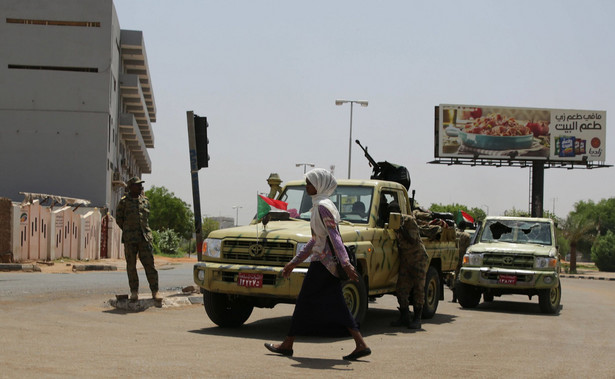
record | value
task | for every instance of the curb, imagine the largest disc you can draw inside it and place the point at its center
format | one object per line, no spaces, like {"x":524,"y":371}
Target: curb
{"x":19,"y":267}
{"x":94,"y":268}
{"x":586,"y":277}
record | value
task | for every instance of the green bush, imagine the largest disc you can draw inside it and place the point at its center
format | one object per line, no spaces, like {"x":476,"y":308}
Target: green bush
{"x":166,"y":242}
{"x":603,"y":252}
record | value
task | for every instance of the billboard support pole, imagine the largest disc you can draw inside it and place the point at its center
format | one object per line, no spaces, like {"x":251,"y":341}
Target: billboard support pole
{"x":538,"y":184}
{"x":194,"y":174}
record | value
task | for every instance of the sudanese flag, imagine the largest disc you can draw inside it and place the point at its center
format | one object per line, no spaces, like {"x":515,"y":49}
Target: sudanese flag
{"x":463,"y":216}
{"x":267,"y":205}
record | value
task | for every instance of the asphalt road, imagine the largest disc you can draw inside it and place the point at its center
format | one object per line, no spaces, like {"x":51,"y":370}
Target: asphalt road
{"x":70,"y":284}
{"x":55,"y":327}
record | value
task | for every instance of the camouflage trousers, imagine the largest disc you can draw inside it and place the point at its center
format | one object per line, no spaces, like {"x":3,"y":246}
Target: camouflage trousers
{"x":411,"y":278}
{"x":464,"y":243}
{"x":144,"y":251}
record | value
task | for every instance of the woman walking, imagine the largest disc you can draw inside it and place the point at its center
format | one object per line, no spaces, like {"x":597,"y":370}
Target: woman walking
{"x":320,"y":305}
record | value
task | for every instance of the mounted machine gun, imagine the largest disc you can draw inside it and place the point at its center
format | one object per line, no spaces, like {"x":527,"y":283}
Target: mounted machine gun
{"x":387,"y":171}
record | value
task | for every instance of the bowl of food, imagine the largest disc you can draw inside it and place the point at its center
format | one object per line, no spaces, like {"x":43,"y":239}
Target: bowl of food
{"x":496,"y":132}
{"x":491,"y":142}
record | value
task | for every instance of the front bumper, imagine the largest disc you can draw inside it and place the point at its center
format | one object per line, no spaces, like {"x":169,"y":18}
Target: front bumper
{"x":489,"y":277}
{"x":223,"y":278}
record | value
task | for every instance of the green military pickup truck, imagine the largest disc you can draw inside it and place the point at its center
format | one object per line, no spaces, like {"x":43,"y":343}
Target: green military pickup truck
{"x":512,"y":255}
{"x":241,"y":267}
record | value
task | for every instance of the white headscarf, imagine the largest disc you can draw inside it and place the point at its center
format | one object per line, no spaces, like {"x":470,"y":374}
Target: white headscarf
{"x":325,"y":185}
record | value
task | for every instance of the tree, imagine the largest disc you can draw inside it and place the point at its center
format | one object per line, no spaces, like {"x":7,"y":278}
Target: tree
{"x":516,"y":213}
{"x":169,"y":212}
{"x":604,"y":213}
{"x":209,"y":225}
{"x":577,"y":228}
{"x":603,"y":252}
{"x":166,"y":241}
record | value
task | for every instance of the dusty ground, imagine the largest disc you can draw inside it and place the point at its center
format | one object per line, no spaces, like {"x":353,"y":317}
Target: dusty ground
{"x":63,"y":266}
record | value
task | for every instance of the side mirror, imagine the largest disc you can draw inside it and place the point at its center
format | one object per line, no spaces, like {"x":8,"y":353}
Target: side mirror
{"x":394,"y":221}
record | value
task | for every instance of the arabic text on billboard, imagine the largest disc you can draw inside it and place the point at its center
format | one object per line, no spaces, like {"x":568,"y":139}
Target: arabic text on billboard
{"x":477,"y":131}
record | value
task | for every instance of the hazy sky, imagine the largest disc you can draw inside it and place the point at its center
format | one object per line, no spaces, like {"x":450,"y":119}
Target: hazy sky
{"x":267,"y":73}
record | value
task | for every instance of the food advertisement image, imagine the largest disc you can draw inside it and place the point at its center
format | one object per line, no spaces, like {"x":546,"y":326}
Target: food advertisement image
{"x":477,"y":131}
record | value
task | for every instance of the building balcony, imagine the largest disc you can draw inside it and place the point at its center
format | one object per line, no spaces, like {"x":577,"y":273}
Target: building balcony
{"x":133,"y":101}
{"x":131,"y":134}
{"x":134,"y":61}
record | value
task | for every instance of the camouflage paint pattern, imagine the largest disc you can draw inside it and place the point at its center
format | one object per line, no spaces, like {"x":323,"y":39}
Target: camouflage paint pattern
{"x":375,"y":248}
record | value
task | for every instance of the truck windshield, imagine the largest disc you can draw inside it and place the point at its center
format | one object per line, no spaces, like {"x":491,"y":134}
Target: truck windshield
{"x":517,"y":231}
{"x":353,"y":202}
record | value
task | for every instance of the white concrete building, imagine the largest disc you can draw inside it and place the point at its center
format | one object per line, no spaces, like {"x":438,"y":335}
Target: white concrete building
{"x":76,"y":101}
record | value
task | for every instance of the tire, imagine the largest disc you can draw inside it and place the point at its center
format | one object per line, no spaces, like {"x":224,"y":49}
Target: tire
{"x":432,"y":293}
{"x":226,"y":311}
{"x":549,"y":299}
{"x":467,"y":295}
{"x":355,"y":294}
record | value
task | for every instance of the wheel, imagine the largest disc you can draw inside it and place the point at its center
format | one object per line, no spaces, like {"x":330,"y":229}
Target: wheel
{"x":549,"y":299}
{"x":355,"y":295}
{"x":226,"y":311}
{"x":467,"y":295}
{"x":488,"y":297}
{"x":432,"y":293}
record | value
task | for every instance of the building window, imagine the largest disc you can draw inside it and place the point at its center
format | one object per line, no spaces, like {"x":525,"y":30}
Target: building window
{"x":86,"y":24}
{"x":52,"y":68}
{"x":109,"y":135}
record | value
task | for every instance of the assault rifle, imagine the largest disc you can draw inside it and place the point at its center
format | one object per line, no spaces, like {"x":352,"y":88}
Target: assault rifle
{"x":387,"y":171}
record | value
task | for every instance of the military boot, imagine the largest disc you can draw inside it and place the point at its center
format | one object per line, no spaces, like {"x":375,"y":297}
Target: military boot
{"x":404,"y":317}
{"x":416,"y":320}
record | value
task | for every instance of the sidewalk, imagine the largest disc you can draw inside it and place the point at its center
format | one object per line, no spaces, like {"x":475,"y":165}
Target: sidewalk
{"x":67,"y":266}
{"x":590,"y":274}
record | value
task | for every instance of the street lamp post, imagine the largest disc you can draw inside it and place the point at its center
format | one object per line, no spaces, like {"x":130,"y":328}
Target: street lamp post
{"x":236,"y":207}
{"x":304,"y":165}
{"x":363,"y":103}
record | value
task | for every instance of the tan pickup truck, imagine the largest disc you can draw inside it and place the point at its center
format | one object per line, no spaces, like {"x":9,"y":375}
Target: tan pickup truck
{"x":241,"y":267}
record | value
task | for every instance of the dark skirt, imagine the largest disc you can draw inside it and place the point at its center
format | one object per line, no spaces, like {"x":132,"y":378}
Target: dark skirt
{"x":321,"y":308}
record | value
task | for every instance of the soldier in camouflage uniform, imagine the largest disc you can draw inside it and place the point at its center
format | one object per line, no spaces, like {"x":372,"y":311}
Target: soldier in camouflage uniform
{"x":412,"y":270}
{"x":132,"y":217}
{"x":464,"y":243}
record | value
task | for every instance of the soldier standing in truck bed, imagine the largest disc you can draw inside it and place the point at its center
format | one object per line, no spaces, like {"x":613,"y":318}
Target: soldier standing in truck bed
{"x":132,"y":217}
{"x":412,"y":270}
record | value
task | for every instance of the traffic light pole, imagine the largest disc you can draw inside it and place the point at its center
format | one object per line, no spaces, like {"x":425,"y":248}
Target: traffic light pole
{"x":194,"y":174}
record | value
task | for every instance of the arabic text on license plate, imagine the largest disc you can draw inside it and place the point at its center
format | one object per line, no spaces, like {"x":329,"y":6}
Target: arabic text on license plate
{"x":507,"y":279}
{"x":250,"y":280}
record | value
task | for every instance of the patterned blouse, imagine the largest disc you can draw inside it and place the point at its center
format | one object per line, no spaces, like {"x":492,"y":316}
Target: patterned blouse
{"x":325,"y":256}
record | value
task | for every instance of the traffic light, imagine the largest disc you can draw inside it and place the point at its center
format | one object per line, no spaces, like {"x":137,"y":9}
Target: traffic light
{"x":200,"y":134}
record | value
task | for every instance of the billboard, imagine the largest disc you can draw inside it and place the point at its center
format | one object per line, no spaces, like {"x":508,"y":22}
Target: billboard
{"x":494,"y":132}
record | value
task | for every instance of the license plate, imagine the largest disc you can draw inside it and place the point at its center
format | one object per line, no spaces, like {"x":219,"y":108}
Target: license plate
{"x":250,"y":280}
{"x":507,"y":279}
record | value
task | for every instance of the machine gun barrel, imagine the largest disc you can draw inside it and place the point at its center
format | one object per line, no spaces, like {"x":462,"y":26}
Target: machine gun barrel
{"x":371,"y":160}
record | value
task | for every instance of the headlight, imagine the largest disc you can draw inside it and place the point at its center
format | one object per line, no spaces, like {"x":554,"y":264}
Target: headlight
{"x":300,"y":246}
{"x":473,"y":259}
{"x":545,"y":262}
{"x":212,"y":247}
